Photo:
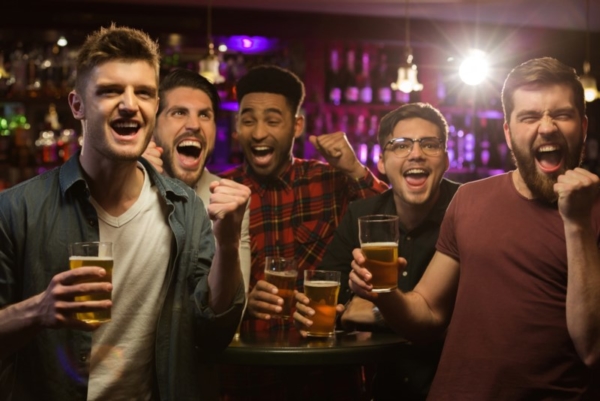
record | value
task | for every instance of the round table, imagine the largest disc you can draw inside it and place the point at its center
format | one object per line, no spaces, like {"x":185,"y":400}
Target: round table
{"x":289,"y":348}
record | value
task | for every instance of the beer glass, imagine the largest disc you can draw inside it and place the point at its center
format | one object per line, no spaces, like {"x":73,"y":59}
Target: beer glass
{"x":322,"y":288}
{"x":379,"y":236}
{"x":282,"y":273}
{"x":93,"y":254}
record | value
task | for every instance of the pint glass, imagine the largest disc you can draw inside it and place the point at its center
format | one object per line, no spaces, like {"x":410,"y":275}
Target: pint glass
{"x":282,"y":273}
{"x":322,"y":288}
{"x":379,"y":236}
{"x":93,"y":254}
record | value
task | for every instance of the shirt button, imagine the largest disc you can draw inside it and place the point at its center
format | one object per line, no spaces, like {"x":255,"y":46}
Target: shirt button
{"x":83,"y":357}
{"x":408,"y":238}
{"x":404,"y":273}
{"x":92,"y":222}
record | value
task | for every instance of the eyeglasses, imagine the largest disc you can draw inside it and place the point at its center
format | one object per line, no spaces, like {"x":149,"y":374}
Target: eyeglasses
{"x":401,"y":147}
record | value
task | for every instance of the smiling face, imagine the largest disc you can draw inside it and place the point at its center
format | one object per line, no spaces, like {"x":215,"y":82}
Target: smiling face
{"x":546,"y":135}
{"x":415,"y":179}
{"x":186,"y":130}
{"x":266,"y":129}
{"x":117,"y":110}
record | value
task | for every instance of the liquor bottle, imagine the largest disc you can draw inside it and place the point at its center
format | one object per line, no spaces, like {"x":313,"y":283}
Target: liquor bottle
{"x":351,"y":92}
{"x":384,"y":89}
{"x":373,"y":126}
{"x":364,"y":79}
{"x":333,"y":82}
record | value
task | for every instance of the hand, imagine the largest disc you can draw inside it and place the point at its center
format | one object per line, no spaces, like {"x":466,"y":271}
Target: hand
{"x":263,"y":301}
{"x":336,"y":149}
{"x":576,"y":189}
{"x":226,"y":208}
{"x":56,"y":306}
{"x":153,"y":154}
{"x":304,"y":312}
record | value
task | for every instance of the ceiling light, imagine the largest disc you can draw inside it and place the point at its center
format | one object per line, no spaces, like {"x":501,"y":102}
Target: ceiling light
{"x":209,"y":65}
{"x":590,"y":88}
{"x":474,"y":68}
{"x":407,"y":72}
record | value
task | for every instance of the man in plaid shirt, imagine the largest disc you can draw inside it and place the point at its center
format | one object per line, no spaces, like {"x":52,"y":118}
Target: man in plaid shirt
{"x":296,"y":204}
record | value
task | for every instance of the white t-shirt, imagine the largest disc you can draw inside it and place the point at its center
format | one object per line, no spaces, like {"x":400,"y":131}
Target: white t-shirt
{"x":122,"y":358}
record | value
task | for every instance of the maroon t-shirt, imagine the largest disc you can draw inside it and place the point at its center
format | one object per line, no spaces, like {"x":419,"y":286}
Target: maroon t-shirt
{"x":508,"y":338}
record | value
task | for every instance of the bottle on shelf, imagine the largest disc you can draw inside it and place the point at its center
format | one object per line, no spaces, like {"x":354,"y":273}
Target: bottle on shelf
{"x":383,"y":83}
{"x":364,"y":78}
{"x":351,"y":92}
{"x":333,"y":84}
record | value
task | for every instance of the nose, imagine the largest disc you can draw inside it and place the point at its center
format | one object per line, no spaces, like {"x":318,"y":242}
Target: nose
{"x":416,"y":152}
{"x":260,"y":132}
{"x":129,"y":103}
{"x":547,"y":125}
{"x":192,"y":123}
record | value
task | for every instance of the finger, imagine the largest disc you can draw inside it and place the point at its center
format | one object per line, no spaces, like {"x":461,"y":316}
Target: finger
{"x":302,"y":320}
{"x":262,"y":285}
{"x":300,"y":297}
{"x":340,"y":308}
{"x":74,"y":276}
{"x":304,"y":310}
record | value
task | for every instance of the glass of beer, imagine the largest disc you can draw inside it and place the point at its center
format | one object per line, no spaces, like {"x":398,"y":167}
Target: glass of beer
{"x":93,"y":254}
{"x":282,"y":273}
{"x":322,"y":288}
{"x":379,"y":236}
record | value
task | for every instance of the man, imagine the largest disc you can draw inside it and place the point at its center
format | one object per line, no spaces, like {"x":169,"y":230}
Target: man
{"x":516,"y":274}
{"x":185,"y":135}
{"x":296,"y":204}
{"x":171,"y":308}
{"x":413,"y":138}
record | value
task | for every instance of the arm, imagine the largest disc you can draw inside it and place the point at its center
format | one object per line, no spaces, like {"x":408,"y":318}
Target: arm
{"x":422,"y":314}
{"x":52,"y":309}
{"x":336,"y":149}
{"x":226,"y":208}
{"x":577,"y":189}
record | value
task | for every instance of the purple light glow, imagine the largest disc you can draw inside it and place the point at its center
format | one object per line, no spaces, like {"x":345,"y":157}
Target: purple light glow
{"x":249,"y":44}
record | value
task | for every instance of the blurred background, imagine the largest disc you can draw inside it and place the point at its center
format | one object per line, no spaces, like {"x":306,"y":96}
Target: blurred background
{"x":358,"y":60}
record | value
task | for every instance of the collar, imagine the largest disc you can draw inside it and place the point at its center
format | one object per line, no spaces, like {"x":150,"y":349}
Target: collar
{"x":283,"y":181}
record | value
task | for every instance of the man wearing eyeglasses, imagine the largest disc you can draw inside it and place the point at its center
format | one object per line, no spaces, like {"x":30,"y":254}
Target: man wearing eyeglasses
{"x":414,"y":158}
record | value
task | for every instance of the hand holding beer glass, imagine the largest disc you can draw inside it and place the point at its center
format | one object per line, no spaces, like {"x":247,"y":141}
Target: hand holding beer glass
{"x":322,"y":288}
{"x":93,"y":254}
{"x":379,"y":235}
{"x":282,"y":273}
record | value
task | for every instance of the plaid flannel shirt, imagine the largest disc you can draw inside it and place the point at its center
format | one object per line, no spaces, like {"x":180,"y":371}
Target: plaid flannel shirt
{"x":296,"y":214}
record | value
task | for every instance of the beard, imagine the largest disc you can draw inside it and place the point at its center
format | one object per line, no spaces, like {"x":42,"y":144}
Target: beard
{"x":542,"y":185}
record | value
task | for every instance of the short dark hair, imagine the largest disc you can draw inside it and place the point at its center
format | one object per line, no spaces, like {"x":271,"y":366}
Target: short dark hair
{"x":181,"y":77}
{"x":112,"y":44}
{"x":272,"y":79}
{"x":541,"y":71}
{"x":424,"y":111}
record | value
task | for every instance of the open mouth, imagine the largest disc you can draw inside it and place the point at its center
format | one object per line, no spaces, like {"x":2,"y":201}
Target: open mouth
{"x":416,"y":176}
{"x":189,"y":151}
{"x":125,"y":128}
{"x":262,"y":154}
{"x":549,"y":157}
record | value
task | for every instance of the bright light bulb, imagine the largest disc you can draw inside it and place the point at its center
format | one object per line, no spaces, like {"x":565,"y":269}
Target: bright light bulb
{"x":590,"y":89}
{"x":474,"y":69}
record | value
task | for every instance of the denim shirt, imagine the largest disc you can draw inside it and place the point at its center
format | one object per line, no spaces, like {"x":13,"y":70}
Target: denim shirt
{"x":38,"y":219}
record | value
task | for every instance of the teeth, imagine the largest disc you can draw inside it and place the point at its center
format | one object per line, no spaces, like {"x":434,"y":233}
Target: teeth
{"x":416,"y":171}
{"x":191,"y":143}
{"x":126,"y":124}
{"x":261,"y":148}
{"x":548,"y":148}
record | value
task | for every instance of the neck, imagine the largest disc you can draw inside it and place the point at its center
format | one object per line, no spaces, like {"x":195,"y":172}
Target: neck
{"x":114,"y":185}
{"x":412,"y":215}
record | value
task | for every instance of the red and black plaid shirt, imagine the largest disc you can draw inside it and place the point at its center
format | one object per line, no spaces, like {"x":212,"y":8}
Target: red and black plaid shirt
{"x":295,"y":215}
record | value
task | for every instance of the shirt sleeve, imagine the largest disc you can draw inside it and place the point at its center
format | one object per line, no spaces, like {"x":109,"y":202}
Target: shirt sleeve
{"x":366,"y":186}
{"x":447,"y":243}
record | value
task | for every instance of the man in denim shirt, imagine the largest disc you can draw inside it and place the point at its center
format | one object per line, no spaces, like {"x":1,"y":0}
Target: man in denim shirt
{"x":177,"y":292}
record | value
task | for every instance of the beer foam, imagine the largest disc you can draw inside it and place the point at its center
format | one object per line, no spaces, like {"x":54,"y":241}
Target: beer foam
{"x":378,"y":244}
{"x":94,"y":258}
{"x":287,"y":273}
{"x":321,"y":283}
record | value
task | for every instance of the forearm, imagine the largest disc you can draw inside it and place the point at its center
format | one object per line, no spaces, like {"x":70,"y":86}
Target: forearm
{"x":18,"y":325}
{"x":409,"y":315}
{"x":583,"y":292}
{"x":224,"y":278}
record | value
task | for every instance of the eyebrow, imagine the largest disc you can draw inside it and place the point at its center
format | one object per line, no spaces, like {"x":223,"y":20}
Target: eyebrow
{"x":266,"y":111}
{"x":569,"y":109}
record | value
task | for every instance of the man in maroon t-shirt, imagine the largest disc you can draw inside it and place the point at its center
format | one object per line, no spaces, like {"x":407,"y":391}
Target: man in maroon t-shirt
{"x":515,"y":280}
